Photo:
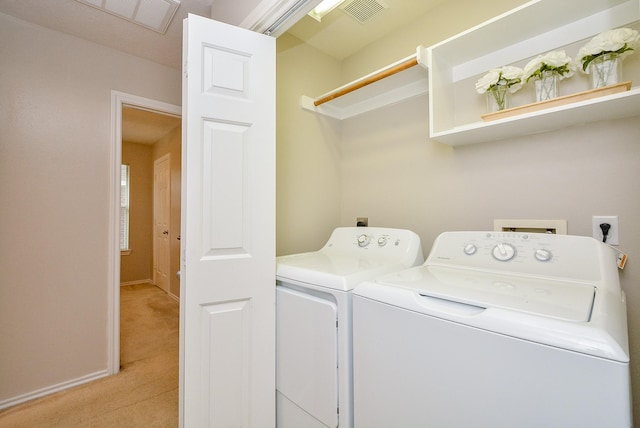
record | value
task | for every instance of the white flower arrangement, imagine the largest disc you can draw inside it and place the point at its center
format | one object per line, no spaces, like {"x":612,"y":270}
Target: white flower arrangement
{"x":507,"y":76}
{"x":620,"y":41}
{"x":556,"y":62}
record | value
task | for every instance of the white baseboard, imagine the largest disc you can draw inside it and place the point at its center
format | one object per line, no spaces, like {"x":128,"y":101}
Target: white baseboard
{"x":9,"y":402}
{"x":140,"y":281}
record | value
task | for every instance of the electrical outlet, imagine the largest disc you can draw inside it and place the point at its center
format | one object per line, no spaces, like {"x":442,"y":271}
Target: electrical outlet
{"x":362,"y":221}
{"x":613,"y":238}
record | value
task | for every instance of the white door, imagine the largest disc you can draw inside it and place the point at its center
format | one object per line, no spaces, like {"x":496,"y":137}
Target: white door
{"x":228,"y":227}
{"x":161,"y":213}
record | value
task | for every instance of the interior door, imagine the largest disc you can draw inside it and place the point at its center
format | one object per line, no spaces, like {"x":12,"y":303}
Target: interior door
{"x":227,"y":355}
{"x":161,"y":215}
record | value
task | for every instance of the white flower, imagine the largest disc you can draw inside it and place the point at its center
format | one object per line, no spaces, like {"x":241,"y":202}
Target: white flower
{"x":555,"y":61}
{"x":621,"y":41}
{"x":508,"y":76}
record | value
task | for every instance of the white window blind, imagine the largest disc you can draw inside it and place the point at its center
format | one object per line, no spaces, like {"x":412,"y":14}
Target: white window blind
{"x":124,"y":207}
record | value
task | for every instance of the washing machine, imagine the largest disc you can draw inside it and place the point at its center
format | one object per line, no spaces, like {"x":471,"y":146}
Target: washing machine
{"x":495,"y":330}
{"x":313,"y":320}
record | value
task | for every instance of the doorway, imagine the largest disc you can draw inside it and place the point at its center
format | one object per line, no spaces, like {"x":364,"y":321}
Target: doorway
{"x":146,"y":112}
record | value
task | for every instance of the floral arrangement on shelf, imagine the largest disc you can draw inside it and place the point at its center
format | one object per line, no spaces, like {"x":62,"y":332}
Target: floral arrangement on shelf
{"x":507,"y":77}
{"x":620,"y":41}
{"x":556,"y":62}
{"x":498,"y":82}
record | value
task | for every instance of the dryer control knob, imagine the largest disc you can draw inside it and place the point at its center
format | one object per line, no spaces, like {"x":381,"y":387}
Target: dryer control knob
{"x":363,"y":240}
{"x":382,"y":241}
{"x":543,"y":255}
{"x":504,"y":252}
{"x":470,"y":249}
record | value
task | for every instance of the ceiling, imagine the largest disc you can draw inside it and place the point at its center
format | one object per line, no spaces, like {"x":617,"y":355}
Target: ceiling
{"x":146,"y":127}
{"x":338,"y":35}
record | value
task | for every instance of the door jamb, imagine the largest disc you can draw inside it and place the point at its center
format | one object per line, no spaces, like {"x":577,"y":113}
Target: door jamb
{"x":118,"y":100}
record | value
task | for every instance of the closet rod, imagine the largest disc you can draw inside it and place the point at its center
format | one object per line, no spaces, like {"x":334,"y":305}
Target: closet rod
{"x":369,"y":80}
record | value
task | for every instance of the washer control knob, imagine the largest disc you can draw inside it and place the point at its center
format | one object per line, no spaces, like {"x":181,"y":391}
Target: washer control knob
{"x":470,"y":249}
{"x":382,"y":241}
{"x":543,"y":255}
{"x":363,"y":240}
{"x":504,"y":252}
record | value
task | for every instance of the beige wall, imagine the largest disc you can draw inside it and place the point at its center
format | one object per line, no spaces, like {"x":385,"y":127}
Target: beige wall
{"x":55,"y":148}
{"x":307,"y":150}
{"x":137,"y":265}
{"x":391,"y":172}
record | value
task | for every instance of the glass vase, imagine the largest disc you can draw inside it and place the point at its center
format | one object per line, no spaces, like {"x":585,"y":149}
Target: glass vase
{"x":546,"y":86}
{"x":605,"y":70}
{"x":497,"y":98}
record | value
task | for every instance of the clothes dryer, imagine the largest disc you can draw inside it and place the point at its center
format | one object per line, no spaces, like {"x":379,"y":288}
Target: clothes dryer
{"x":495,"y":330}
{"x":313,"y":320}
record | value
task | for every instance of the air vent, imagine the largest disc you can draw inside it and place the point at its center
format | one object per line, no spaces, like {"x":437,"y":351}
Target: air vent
{"x":363,"y":10}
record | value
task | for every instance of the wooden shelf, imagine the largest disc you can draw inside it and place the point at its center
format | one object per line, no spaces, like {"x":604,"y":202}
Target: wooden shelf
{"x":537,"y":27}
{"x":557,"y":102}
{"x":398,"y":81}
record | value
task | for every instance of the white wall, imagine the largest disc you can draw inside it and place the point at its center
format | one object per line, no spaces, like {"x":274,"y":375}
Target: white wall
{"x":55,"y":137}
{"x":391,"y":172}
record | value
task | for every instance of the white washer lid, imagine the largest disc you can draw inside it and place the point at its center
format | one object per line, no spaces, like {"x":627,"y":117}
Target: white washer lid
{"x":556,"y":299}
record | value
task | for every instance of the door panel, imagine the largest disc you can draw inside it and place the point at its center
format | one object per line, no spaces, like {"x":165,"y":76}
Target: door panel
{"x":161,"y":221}
{"x":228,"y":227}
{"x":224,"y":200}
{"x":307,"y":354}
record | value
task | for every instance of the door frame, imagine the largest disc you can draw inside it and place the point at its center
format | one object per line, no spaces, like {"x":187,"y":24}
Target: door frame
{"x":118,"y":101}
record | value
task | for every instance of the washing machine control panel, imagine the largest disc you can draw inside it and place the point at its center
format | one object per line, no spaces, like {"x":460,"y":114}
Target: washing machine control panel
{"x":522,"y":253}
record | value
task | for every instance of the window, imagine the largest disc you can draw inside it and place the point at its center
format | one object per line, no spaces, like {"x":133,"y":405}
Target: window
{"x":124,"y":207}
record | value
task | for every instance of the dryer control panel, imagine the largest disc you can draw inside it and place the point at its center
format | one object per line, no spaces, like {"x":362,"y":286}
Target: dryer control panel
{"x":376,"y":242}
{"x":558,"y":256}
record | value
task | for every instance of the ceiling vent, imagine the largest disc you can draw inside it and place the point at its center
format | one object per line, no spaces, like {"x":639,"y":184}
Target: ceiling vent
{"x":363,"y":10}
{"x":153,"y":14}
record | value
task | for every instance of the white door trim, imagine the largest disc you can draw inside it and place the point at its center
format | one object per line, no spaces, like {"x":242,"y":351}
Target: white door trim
{"x":118,"y":100}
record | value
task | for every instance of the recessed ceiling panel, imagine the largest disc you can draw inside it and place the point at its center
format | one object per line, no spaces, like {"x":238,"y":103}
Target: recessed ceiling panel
{"x":153,"y":14}
{"x":124,"y":8}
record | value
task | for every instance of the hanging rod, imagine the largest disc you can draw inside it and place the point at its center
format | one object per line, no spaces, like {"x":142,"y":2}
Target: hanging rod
{"x":367,"y":81}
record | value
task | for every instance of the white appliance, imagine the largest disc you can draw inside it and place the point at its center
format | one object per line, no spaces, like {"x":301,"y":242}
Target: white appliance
{"x":495,"y":330}
{"x":313,"y":320}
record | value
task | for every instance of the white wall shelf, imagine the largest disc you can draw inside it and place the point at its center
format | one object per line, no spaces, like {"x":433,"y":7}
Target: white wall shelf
{"x":535,"y":28}
{"x":388,"y":90}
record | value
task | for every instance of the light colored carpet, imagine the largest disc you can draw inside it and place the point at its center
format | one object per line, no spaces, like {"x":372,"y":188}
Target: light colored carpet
{"x":143,"y":394}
